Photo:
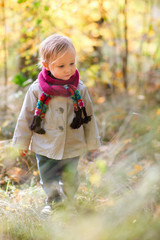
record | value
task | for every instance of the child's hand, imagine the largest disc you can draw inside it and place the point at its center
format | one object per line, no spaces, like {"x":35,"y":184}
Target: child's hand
{"x":22,"y":152}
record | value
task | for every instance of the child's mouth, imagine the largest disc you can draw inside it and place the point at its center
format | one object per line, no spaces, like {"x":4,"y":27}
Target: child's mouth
{"x":67,"y":76}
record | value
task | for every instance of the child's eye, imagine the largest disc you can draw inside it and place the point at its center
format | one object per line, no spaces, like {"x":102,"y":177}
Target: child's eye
{"x":61,"y":66}
{"x":72,"y":63}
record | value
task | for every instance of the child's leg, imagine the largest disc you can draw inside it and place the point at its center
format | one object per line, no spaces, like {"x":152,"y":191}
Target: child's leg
{"x":51,"y":178}
{"x":70,"y":177}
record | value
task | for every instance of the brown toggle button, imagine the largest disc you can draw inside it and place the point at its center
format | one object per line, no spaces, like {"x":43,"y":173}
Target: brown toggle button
{"x":61,"y":110}
{"x":61,"y":128}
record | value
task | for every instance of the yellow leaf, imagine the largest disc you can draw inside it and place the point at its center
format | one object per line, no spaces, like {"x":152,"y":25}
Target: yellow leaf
{"x":17,"y":190}
{"x":151,"y":33}
{"x":119,"y":74}
{"x":158,"y":111}
{"x":110,"y":43}
{"x":138,"y":167}
{"x":127,"y":141}
{"x":101,"y":100}
{"x":35,"y":173}
{"x":95,"y":179}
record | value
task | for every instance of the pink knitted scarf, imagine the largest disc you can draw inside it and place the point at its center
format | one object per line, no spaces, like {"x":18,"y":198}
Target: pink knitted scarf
{"x":52,"y":87}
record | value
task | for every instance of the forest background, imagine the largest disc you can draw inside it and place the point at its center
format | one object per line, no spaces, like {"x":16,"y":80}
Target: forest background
{"x":118,"y":52}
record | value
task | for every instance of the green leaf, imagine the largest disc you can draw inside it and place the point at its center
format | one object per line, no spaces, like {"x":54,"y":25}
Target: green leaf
{"x":102,"y":165}
{"x":36,"y":4}
{"x":38,"y":22}
{"x":21,"y":1}
{"x":46,"y":8}
{"x":19,"y":79}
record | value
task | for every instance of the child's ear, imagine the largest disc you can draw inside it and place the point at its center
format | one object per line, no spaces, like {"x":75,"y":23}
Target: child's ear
{"x":45,"y":65}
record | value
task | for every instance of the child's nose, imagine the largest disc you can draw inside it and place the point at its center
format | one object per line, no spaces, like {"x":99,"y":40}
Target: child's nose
{"x":67,"y":70}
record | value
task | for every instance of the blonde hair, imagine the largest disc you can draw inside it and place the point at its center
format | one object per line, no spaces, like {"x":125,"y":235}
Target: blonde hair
{"x":53,"y":45}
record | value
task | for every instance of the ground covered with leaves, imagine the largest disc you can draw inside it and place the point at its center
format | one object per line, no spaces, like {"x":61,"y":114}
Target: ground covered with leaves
{"x":119,"y":194}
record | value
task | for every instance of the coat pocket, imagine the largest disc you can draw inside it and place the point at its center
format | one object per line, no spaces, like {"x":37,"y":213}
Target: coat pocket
{"x":78,"y":135}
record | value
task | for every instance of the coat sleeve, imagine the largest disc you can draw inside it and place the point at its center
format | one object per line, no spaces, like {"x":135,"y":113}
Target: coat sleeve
{"x":22,"y":134}
{"x":92,"y":137}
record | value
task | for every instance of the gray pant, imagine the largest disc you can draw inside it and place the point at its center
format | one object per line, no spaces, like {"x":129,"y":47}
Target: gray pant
{"x":59,"y":178}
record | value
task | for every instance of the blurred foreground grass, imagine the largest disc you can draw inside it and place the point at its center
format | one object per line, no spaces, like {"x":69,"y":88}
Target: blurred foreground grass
{"x":119,"y":194}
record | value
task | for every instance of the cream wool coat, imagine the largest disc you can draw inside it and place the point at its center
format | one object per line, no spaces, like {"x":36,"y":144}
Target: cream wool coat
{"x":60,"y":141}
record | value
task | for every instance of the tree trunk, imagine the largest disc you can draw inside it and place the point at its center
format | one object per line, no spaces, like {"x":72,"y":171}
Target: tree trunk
{"x":4,"y":43}
{"x":125,"y":55}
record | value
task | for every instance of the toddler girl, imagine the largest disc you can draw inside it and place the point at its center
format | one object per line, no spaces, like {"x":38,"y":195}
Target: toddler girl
{"x":57,"y":120}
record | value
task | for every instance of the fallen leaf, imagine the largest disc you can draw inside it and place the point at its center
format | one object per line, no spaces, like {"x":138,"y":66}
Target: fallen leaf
{"x":35,"y":173}
{"x":101,"y":100}
{"x":95,"y":179}
{"x":16,"y":174}
{"x":127,"y":141}
{"x":138,"y":167}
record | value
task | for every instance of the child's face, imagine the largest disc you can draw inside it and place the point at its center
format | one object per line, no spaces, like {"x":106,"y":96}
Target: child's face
{"x":63,"y":66}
